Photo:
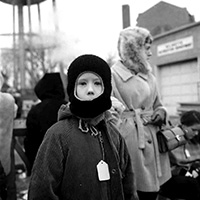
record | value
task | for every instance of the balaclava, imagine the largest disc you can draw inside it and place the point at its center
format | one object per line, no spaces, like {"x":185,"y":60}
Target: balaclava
{"x":131,"y":40}
{"x":95,"y":107}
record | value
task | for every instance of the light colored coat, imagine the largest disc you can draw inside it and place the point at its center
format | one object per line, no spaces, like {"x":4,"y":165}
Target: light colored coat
{"x":6,"y":129}
{"x":8,"y":110}
{"x":139,"y":94}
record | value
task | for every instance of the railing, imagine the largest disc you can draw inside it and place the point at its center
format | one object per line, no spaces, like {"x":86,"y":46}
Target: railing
{"x":19,"y":130}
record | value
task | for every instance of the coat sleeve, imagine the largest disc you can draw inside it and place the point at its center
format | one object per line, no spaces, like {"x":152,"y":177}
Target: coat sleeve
{"x":33,"y":135}
{"x":128,"y":178}
{"x":129,"y":185}
{"x":47,"y":172}
{"x":158,"y":107}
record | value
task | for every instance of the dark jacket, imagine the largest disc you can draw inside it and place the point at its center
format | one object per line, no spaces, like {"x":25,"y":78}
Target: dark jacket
{"x":65,"y":167}
{"x":43,"y":115}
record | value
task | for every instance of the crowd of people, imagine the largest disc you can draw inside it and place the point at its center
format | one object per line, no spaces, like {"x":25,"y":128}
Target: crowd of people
{"x":101,"y":143}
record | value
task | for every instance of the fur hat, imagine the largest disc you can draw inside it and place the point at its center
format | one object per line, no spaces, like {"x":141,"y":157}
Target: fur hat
{"x":95,"y":107}
{"x":1,"y":80}
{"x":131,"y":40}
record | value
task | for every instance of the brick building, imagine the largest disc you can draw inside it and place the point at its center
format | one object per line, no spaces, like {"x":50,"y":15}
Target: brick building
{"x":164,"y":17}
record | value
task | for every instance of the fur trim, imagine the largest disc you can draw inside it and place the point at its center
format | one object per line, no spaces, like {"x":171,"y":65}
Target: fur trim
{"x":1,"y":81}
{"x":130,"y":43}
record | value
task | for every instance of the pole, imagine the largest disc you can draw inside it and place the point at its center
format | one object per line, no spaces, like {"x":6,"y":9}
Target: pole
{"x":15,"y":66}
{"x":21,"y":47}
{"x":55,"y":15}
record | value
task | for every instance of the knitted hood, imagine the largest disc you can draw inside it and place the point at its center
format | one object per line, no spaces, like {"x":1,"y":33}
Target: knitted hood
{"x":131,"y":40}
{"x":50,"y":87}
{"x":89,"y":109}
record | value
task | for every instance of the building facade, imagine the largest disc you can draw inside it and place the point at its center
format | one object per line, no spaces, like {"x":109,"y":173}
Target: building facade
{"x":176,"y":64}
{"x":163,"y":17}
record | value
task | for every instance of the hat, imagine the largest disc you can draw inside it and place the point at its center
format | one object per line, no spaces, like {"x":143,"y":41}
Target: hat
{"x":50,"y":86}
{"x":95,"y":107}
{"x":130,"y":42}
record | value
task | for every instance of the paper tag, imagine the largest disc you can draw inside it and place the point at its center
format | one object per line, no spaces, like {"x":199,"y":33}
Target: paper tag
{"x":103,"y":171}
{"x":187,"y":153}
{"x":188,"y":174}
{"x":194,"y":174}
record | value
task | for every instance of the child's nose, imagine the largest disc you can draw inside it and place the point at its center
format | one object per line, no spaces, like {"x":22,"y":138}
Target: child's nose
{"x":90,"y":89}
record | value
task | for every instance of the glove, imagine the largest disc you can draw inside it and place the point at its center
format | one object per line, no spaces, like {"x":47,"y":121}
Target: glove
{"x":195,"y":169}
{"x":158,"y":117}
{"x":195,"y":166}
{"x":117,"y":105}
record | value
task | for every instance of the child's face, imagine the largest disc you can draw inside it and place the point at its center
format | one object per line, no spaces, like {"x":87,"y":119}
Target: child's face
{"x":89,"y":86}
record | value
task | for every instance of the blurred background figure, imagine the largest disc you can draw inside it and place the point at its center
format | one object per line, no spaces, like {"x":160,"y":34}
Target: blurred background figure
{"x":50,"y":92}
{"x":18,"y":100}
{"x":8,"y":111}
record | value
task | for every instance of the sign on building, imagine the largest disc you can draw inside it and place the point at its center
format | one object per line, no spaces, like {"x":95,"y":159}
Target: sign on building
{"x":175,"y":46}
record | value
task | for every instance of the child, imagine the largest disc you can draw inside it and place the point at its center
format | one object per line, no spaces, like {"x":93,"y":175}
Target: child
{"x":83,"y":156}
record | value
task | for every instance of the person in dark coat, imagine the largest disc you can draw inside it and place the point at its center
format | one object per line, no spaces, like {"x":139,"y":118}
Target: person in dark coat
{"x":83,"y":156}
{"x":185,"y":163}
{"x":44,"y":114}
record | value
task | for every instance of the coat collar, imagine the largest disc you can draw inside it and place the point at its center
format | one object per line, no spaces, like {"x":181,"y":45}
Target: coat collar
{"x":125,"y":73}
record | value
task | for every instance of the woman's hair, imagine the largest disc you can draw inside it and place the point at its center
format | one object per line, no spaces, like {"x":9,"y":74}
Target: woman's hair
{"x":190,"y":118}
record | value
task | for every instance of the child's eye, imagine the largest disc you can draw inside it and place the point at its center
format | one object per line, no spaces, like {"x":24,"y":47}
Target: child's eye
{"x":98,"y":83}
{"x":82,"y":83}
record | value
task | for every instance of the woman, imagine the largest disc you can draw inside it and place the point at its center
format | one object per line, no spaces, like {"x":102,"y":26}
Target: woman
{"x":135,"y":86}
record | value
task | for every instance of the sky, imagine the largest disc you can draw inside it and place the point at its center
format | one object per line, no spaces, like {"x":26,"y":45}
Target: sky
{"x":88,"y":26}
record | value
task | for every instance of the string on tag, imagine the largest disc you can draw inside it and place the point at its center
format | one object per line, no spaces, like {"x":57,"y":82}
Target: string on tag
{"x":101,"y":145}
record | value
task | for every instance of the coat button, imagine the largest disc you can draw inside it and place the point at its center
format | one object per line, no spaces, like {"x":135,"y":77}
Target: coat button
{"x":149,"y":141}
{"x":113,"y":171}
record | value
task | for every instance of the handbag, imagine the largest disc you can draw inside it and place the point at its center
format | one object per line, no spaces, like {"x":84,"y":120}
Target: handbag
{"x":170,"y":138}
